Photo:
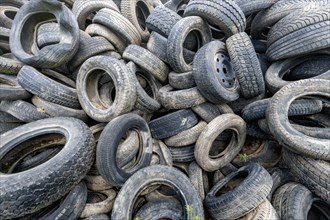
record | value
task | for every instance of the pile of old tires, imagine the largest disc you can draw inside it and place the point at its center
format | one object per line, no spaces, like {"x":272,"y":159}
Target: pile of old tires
{"x":179,"y":109}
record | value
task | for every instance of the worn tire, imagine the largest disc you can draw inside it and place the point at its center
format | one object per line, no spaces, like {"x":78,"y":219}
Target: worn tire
{"x":7,"y":14}
{"x":137,"y":12}
{"x":226,"y":14}
{"x":181,"y":80}
{"x":246,"y":65}
{"x":23,"y":110}
{"x":211,"y":132}
{"x":99,"y":207}
{"x":160,"y":209}
{"x":53,"y":55}
{"x":277,"y":71}
{"x":294,"y":201}
{"x":72,"y":204}
{"x":157,"y":44}
{"x":40,"y":155}
{"x":48,"y":34}
{"x":264,"y":211}
{"x":313,"y":66}
{"x":107,"y":148}
{"x":157,"y":174}
{"x":103,"y":31}
{"x":277,"y":117}
{"x":186,"y":137}
{"x":147,"y":61}
{"x":297,"y":34}
{"x":87,"y":84}
{"x":177,"y":36}
{"x":82,"y":9}
{"x":119,"y":25}
{"x":207,"y":111}
{"x":43,"y":179}
{"x":182,"y":154}
{"x":257,"y":110}
{"x":43,"y":86}
{"x":162,"y":20}
{"x":246,"y":196}
{"x":211,"y":78}
{"x":312,"y":173}
{"x":172,"y":124}
{"x":89,"y":47}
{"x":250,"y":7}
{"x":280,"y":9}
{"x":180,"y":99}
{"x":56,"y":110}
{"x":198,"y":178}
{"x":280,"y":177}
{"x":147,"y":95}
{"x":96,"y":183}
